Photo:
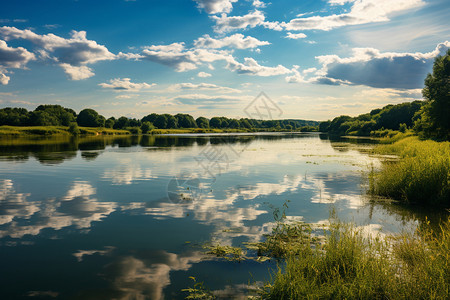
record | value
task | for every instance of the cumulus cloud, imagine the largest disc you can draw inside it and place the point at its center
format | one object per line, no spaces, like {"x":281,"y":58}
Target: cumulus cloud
{"x":251,"y":67}
{"x":203,"y":74}
{"x":361,"y":12}
{"x":77,"y":72}
{"x":176,"y":56}
{"x":238,"y":41}
{"x":215,"y":6}
{"x":370,"y":67}
{"x":225,"y":23}
{"x":203,"y":87}
{"x":10,"y":57}
{"x":181,"y":59}
{"x":125,"y":84}
{"x":4,"y":79}
{"x":72,"y":55}
{"x":295,"y":36}
{"x":259,"y":4}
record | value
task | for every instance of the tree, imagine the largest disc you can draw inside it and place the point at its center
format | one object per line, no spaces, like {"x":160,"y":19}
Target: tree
{"x":14,"y":116}
{"x":90,"y":118}
{"x":172,"y":122}
{"x":161,"y":122}
{"x":435,"y":120}
{"x":202,"y":122}
{"x":150,"y":118}
{"x":73,"y":129}
{"x":234,"y":124}
{"x":146,"y":126}
{"x":42,"y":118}
{"x":122,"y":123}
{"x":110,"y":122}
{"x":185,"y":121}
{"x":64,"y":116}
{"x":215,"y":122}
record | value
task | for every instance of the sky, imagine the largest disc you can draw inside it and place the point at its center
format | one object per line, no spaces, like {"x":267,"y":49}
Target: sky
{"x":315,"y":59}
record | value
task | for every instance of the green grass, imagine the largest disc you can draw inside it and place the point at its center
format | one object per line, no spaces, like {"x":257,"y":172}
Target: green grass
{"x":420,"y":176}
{"x":349,"y":264}
{"x":18,"y":131}
{"x":33,"y":130}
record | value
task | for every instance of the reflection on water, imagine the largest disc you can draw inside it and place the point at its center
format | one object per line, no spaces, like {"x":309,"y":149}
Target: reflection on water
{"x":124,"y":217}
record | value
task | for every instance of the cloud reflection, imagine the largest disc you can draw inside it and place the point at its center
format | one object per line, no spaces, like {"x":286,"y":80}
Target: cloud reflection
{"x":77,"y":208}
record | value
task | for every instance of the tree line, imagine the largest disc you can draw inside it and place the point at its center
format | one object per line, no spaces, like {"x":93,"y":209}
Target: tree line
{"x":56,"y":115}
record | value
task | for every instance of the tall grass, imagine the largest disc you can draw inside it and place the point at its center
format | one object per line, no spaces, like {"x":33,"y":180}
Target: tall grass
{"x":350,"y":264}
{"x":421,"y":175}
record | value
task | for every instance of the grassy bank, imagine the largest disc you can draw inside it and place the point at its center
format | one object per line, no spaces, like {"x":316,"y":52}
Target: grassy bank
{"x":420,"y":176}
{"x":344,"y":261}
{"x":348,"y":263}
{"x":17,"y":131}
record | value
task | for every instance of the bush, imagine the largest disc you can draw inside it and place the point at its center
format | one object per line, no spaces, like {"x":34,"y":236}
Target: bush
{"x":74,"y":129}
{"x":421,"y":176}
{"x":134,"y":130}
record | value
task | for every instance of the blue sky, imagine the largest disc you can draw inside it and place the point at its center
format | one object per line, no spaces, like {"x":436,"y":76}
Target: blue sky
{"x":315,"y":59}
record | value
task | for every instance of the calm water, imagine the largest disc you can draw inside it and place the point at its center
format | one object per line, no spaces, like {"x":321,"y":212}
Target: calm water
{"x":125,"y":218}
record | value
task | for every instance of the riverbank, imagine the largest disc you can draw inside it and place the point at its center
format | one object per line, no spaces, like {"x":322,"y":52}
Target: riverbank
{"x":24,"y":131}
{"x":421,"y":175}
{"x":349,"y":263}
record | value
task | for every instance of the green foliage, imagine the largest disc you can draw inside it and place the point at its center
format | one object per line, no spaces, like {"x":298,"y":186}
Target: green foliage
{"x":421,"y":176}
{"x":134,"y":130}
{"x":198,"y":291}
{"x":185,"y":121}
{"x":434,"y":121}
{"x":227,"y":252}
{"x":146,"y":126}
{"x":64,"y":116}
{"x":161,"y":122}
{"x":56,"y":115}
{"x":109,"y":123}
{"x":202,"y":122}
{"x":74,"y":129}
{"x":90,"y":118}
{"x":351,"y":264}
{"x":390,"y":117}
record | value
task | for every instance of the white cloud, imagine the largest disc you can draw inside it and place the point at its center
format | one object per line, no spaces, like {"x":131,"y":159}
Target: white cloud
{"x":204,"y":87}
{"x":259,"y":4}
{"x":10,"y":57}
{"x":73,"y":54}
{"x":340,"y":2}
{"x":4,"y":79}
{"x":181,"y":59}
{"x":238,"y":41}
{"x":225,"y":23}
{"x":361,"y":12}
{"x":215,"y":6}
{"x":176,"y":56}
{"x":125,"y":84}
{"x":251,"y":67}
{"x":203,"y":74}
{"x":295,"y":36}
{"x":77,"y":72}
{"x":368,"y":66}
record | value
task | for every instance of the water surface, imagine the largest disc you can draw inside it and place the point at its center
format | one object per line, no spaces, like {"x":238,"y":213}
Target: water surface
{"x":125,"y":217}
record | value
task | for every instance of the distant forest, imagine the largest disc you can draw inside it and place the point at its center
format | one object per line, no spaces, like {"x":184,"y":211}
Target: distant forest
{"x":391,"y":117}
{"x":56,"y":115}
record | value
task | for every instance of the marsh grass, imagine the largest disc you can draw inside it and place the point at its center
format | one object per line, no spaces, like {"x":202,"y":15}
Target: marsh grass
{"x":350,"y":264}
{"x":420,"y":176}
{"x":18,"y":131}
